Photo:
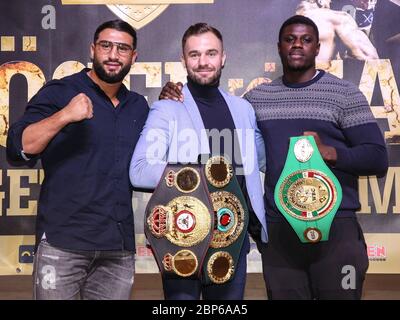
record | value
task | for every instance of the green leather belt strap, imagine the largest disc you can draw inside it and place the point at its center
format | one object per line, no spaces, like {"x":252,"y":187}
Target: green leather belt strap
{"x":231,"y":221}
{"x":307,"y":193}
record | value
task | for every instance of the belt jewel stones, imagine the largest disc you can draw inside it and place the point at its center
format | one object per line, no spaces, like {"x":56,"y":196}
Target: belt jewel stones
{"x":307,"y":193}
{"x":226,"y":219}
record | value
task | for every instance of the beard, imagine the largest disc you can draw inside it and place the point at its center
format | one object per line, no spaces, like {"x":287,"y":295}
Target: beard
{"x":113,"y":77}
{"x":213,"y":80}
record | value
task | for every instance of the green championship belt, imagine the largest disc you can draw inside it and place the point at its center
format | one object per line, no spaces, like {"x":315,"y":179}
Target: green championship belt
{"x":307,"y":193}
{"x":231,"y":220}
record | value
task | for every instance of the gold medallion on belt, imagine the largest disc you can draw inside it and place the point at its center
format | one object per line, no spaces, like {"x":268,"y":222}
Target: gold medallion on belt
{"x":184,"y":221}
{"x":218,"y":171}
{"x":220,"y":267}
{"x":229,"y":219}
{"x":185,"y":180}
{"x":307,"y":194}
{"x":184,"y":263}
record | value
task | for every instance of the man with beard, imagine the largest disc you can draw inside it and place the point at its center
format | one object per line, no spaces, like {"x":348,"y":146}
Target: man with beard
{"x":307,"y":101}
{"x":208,"y":122}
{"x":84,"y":128}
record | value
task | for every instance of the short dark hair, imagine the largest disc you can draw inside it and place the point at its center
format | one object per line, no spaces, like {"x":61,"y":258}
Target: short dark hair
{"x":298,"y":19}
{"x":119,"y":25}
{"x":200,"y":28}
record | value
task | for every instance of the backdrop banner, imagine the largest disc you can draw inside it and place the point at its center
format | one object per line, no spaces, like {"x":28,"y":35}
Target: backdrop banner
{"x":42,"y":40}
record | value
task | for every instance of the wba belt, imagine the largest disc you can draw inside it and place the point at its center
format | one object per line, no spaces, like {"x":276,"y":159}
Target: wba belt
{"x":307,"y":193}
{"x":179,"y":220}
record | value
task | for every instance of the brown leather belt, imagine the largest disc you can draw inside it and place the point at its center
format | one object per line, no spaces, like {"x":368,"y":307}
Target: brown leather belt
{"x":179,"y":220}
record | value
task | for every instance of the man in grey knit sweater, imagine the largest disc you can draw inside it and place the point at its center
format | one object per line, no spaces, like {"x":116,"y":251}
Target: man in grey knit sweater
{"x":306,"y":101}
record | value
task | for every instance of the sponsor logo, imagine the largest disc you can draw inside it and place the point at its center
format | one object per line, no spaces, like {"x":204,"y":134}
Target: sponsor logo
{"x":376,"y":252}
{"x":143,"y":251}
{"x":139,"y":14}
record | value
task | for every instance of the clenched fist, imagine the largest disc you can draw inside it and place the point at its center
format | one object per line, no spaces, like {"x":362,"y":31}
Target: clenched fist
{"x":79,"y":108}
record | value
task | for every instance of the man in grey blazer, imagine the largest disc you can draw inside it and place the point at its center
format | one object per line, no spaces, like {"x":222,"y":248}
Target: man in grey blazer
{"x":208,"y":121}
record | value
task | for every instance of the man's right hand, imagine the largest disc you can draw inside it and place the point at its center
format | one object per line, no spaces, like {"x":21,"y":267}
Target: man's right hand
{"x":79,"y":108}
{"x":172,"y":91}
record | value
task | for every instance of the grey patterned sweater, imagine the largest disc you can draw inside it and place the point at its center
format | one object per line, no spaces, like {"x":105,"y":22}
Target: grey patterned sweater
{"x":334,"y":108}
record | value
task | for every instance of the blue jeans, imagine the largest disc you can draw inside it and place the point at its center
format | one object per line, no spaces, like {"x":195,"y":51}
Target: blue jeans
{"x":61,"y":274}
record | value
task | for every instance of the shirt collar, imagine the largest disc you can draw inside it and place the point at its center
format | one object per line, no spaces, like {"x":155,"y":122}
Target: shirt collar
{"x":304,"y":84}
{"x":121,"y":94}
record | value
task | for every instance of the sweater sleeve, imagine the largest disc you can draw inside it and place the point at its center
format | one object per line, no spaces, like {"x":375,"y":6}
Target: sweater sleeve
{"x":365,"y":153}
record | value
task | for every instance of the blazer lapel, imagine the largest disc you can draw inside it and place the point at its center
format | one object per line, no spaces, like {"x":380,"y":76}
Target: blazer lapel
{"x":196,"y":119}
{"x":237,"y":116}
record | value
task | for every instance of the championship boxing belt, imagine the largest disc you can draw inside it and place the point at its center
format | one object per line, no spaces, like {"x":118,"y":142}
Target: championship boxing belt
{"x":231,"y":220}
{"x":307,"y":193}
{"x":179,"y":221}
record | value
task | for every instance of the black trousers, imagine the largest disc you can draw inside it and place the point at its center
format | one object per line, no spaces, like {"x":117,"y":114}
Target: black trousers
{"x":183,"y":289}
{"x":333,"y":269}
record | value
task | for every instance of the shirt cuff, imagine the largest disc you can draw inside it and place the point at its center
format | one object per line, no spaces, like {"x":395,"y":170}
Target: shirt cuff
{"x":24,"y":156}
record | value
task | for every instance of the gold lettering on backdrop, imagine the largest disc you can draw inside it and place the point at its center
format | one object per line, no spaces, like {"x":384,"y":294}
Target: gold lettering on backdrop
{"x":363,"y":195}
{"x":234,"y":84}
{"x":381,"y":201}
{"x":7,"y":43}
{"x":152,"y":71}
{"x":67,"y":68}
{"x":382,"y":68}
{"x":16,"y":192}
{"x":256,"y":82}
{"x":35,"y":80}
{"x":29,"y":43}
{"x":2,"y":193}
{"x":41,"y":176}
{"x":334,"y":67}
{"x":176,"y":71}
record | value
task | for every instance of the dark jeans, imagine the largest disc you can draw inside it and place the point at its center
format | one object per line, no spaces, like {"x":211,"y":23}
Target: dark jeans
{"x":333,"y":269}
{"x":90,"y":275}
